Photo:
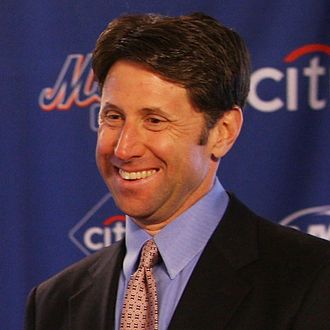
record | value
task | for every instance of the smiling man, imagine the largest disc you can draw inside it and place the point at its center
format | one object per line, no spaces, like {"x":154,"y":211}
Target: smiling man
{"x":194,"y":257}
{"x":149,"y":151}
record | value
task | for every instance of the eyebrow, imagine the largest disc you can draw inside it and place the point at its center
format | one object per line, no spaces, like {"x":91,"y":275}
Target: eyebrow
{"x":145,"y":110}
{"x":109,"y":106}
{"x":155,"y":110}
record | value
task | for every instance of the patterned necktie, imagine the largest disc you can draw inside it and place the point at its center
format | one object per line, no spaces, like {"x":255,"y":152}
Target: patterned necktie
{"x":140,"y":308}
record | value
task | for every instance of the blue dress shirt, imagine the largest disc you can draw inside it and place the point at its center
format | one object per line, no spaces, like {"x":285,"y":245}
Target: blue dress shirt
{"x":180,"y":245}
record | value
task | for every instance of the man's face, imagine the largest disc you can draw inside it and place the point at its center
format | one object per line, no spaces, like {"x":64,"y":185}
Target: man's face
{"x":147,"y":151}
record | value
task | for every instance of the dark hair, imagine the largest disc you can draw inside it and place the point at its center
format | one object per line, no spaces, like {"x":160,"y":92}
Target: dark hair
{"x":195,"y":51}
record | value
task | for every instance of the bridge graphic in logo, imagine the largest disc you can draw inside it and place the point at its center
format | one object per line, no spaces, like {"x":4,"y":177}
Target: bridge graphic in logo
{"x":313,"y":220}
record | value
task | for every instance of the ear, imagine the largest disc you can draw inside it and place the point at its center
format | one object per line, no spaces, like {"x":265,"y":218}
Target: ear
{"x":226,"y":131}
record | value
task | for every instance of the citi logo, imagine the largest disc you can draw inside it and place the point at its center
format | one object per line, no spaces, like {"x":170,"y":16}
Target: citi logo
{"x":97,"y":229}
{"x":313,"y":220}
{"x":97,"y":237}
{"x":311,"y":79}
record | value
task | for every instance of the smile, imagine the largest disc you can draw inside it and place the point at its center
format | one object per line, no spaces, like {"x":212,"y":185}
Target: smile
{"x":136,"y":175}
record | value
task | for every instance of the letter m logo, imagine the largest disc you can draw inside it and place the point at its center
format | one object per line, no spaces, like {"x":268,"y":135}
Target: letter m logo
{"x":74,"y":85}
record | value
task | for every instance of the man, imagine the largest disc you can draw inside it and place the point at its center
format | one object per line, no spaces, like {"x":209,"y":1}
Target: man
{"x":172,"y":93}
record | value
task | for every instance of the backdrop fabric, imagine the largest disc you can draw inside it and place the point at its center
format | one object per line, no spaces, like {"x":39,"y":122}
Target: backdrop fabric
{"x":55,"y":208}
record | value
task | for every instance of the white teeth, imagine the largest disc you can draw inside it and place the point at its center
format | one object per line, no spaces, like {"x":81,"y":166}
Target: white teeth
{"x":136,"y":175}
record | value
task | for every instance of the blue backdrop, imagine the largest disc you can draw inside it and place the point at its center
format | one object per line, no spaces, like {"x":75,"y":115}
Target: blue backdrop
{"x":55,"y":208}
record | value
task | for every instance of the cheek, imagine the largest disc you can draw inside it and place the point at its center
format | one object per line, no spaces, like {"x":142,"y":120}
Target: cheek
{"x":185,"y":162}
{"x":104,"y":142}
{"x":196,"y":162}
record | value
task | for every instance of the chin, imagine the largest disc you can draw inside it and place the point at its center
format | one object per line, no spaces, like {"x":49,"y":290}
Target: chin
{"x":134,"y":212}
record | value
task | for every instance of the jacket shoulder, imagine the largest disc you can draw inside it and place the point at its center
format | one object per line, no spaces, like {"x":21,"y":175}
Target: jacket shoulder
{"x":275,"y":243}
{"x":80,"y":273}
{"x":49,"y":304}
{"x":292,"y":245}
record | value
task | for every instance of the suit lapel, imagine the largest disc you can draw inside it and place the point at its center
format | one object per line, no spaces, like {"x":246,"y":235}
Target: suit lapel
{"x":93,"y":307}
{"x":216,"y":287}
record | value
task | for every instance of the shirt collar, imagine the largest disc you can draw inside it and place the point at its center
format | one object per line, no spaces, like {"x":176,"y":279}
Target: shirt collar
{"x":181,"y":240}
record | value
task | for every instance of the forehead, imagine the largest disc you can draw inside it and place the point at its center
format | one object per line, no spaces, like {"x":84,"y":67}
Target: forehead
{"x":127,"y":79}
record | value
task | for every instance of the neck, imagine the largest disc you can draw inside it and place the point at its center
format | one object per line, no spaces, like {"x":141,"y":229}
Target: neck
{"x":153,"y":227}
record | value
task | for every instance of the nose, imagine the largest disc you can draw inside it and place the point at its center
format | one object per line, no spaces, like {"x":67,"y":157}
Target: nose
{"x":129,"y":143}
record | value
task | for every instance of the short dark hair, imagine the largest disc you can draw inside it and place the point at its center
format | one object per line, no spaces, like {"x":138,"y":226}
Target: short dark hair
{"x":195,"y":51}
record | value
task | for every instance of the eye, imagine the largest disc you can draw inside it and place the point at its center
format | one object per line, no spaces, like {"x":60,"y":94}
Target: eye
{"x":155,"y":123}
{"x":111,"y":118}
{"x":154,"y":120}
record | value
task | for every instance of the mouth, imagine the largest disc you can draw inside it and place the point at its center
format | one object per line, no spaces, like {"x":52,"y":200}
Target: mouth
{"x":138,"y":175}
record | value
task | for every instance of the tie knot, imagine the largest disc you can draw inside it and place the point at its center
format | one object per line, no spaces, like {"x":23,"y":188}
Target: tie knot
{"x":149,"y":255}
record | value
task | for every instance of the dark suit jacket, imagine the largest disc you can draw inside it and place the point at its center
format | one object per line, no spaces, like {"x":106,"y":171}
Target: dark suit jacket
{"x":252,"y":275}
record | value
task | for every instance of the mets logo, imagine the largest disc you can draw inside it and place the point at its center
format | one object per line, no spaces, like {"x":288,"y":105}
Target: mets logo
{"x":74,"y":86}
{"x":97,"y":229}
{"x":313,"y":220}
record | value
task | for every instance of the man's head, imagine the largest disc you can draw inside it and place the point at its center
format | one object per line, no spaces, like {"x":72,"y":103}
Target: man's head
{"x":196,"y":52}
{"x":171,"y":96}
